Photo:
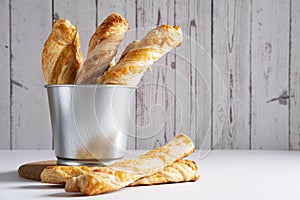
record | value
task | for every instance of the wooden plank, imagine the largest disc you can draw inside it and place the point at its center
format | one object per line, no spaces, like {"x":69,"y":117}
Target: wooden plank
{"x":4,"y":75}
{"x":295,"y":77}
{"x":155,"y":96}
{"x":269,"y":63}
{"x":128,"y":10}
{"x":81,"y":13}
{"x":31,"y":25}
{"x":193,"y":72}
{"x":165,"y":82}
{"x":231,"y":47}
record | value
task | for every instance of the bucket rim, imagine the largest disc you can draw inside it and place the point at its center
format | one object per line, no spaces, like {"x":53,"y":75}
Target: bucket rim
{"x":89,"y":85}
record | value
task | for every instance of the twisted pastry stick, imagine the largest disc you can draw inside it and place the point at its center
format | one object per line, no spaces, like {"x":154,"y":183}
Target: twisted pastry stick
{"x":124,"y":173}
{"x":61,"y":56}
{"x":179,"y":171}
{"x":129,"y":47}
{"x":60,"y":174}
{"x":102,"y":49}
{"x":130,"y":69}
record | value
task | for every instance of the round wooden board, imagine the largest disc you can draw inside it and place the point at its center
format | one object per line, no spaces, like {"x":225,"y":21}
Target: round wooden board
{"x":33,"y":170}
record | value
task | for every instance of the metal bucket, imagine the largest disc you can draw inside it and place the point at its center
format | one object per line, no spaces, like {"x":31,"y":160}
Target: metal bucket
{"x":90,"y":123}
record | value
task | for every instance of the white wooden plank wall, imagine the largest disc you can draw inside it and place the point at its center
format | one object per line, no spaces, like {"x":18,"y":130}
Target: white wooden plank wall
{"x":295,"y":75}
{"x":155,"y":97}
{"x":193,"y":72}
{"x":30,"y":121}
{"x":5,"y":75}
{"x":233,"y":84}
{"x":231,"y":47}
{"x":201,"y":39}
{"x":270,"y":74}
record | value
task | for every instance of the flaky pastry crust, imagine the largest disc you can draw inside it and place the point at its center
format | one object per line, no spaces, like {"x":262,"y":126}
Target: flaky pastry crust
{"x":126,"y":172}
{"x":102,"y":49}
{"x":179,"y":171}
{"x":62,"y":56}
{"x":131,"y":67}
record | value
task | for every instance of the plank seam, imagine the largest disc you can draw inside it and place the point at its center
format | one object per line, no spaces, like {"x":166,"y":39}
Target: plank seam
{"x":53,"y":12}
{"x":96,"y":1}
{"x":289,"y":74}
{"x":10,"y":79}
{"x":212,"y":71}
{"x":136,"y":93}
{"x":175,"y":99}
{"x":250,"y":78}
{"x":166,"y":103}
{"x":53,"y":18}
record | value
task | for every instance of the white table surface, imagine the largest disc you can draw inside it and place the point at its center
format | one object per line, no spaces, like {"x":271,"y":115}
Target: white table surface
{"x":224,"y":175}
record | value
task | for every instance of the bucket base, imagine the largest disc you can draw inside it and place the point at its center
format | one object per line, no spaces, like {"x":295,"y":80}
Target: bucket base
{"x":87,"y":162}
{"x":75,"y":162}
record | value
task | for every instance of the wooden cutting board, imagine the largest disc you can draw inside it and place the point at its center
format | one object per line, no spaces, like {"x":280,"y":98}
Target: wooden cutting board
{"x":33,"y":170}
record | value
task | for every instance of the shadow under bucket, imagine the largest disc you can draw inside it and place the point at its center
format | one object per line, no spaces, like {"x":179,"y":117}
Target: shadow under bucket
{"x":90,"y":123}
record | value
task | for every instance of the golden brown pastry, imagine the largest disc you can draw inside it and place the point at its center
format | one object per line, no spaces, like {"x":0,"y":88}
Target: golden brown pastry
{"x":130,"y":69}
{"x":129,"y":47}
{"x":103,"y":47}
{"x":179,"y":171}
{"x":60,"y":174}
{"x":124,"y":173}
{"x":62,"y":56}
{"x":93,"y":183}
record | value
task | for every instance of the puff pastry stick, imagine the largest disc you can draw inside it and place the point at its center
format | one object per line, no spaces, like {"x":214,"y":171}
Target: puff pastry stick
{"x":130,"y":69}
{"x":62,"y":56}
{"x":123,"y":173}
{"x":102,"y":48}
{"x":179,"y":171}
{"x":128,"y":48}
{"x":60,"y":174}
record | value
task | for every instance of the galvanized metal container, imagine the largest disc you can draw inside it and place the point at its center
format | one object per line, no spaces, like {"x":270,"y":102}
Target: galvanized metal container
{"x":90,"y":123}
